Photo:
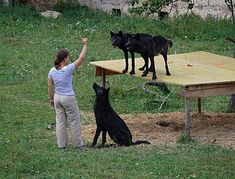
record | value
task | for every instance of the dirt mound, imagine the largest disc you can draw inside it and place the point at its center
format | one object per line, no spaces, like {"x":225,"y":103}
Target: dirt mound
{"x":165,"y":128}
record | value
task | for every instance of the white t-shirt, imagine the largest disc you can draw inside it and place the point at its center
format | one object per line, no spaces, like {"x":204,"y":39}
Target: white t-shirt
{"x":62,"y":79}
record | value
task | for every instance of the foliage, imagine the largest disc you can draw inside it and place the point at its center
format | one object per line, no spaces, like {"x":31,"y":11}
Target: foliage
{"x":147,"y":7}
{"x":28,"y":43}
{"x":62,"y":6}
{"x":185,"y":139}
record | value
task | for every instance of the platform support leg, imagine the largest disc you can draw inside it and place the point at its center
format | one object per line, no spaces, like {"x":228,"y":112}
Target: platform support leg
{"x":199,"y":105}
{"x":103,"y":78}
{"x":188,"y":125}
{"x":232,"y":97}
{"x":231,"y":107}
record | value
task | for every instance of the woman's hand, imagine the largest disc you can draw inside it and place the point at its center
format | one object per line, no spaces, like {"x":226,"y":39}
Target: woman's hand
{"x":83,"y":53}
{"x":84,"y":41}
{"x":52,"y":105}
{"x":51,"y":92}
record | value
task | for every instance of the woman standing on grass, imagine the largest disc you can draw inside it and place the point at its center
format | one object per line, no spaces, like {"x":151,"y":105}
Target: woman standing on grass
{"x":62,"y":97}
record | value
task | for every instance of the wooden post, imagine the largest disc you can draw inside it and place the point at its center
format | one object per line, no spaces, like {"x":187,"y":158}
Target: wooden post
{"x":103,"y":78}
{"x":199,"y":106}
{"x":232,"y":97}
{"x":187,"y":122}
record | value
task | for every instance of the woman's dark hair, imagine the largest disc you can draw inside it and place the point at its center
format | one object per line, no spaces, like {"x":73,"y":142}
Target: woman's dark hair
{"x":60,"y":56}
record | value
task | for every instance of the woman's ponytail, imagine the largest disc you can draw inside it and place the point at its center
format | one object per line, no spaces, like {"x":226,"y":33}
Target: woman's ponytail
{"x":60,"y":56}
{"x":56,"y":63}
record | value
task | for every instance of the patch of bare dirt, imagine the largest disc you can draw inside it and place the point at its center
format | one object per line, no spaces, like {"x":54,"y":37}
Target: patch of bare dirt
{"x":165,"y":128}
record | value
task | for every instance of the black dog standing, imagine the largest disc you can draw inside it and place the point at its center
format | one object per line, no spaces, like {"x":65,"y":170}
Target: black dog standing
{"x":148,"y":48}
{"x":119,"y":40}
{"x":109,"y":121}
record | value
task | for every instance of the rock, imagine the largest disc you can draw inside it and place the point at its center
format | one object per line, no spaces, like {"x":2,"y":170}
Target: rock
{"x":51,"y":14}
{"x":51,"y":126}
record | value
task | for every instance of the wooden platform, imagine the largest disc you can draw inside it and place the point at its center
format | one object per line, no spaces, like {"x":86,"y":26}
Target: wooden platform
{"x":187,"y":69}
{"x":201,"y":74}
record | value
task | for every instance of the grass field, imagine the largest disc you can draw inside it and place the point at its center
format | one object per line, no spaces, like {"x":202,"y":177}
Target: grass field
{"x":28,"y":43}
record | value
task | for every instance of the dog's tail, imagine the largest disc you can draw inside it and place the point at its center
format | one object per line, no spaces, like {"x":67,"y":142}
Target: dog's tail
{"x":141,"y":142}
{"x":170,"y":43}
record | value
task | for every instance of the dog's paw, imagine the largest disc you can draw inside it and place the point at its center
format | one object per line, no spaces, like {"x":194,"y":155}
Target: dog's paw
{"x":150,"y":69}
{"x":144,"y":75}
{"x":92,"y":145}
{"x":154,"y":78}
{"x":124,"y":71}
{"x":141,"y":69}
{"x":168,"y":74}
{"x":132,"y":73}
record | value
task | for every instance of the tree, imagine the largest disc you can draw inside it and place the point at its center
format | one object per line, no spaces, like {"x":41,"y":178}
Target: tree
{"x":147,"y":7}
{"x":231,"y":6}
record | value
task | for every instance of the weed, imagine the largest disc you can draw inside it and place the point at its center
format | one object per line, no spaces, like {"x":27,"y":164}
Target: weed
{"x":185,"y":139}
{"x":20,"y":73}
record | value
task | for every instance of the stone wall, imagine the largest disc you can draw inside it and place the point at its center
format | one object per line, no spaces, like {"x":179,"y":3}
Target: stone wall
{"x":204,"y":8}
{"x":43,"y":4}
{"x":107,"y":5}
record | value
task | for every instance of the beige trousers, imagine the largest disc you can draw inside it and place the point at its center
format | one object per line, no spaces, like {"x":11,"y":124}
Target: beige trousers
{"x":67,"y":112}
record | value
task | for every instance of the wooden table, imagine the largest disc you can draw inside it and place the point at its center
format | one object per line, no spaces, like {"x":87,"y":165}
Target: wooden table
{"x":201,"y":74}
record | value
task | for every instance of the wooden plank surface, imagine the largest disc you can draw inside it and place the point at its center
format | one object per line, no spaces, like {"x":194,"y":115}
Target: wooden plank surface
{"x":194,"y":68}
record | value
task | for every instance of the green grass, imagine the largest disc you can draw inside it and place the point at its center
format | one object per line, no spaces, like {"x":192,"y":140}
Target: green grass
{"x":28,"y":43}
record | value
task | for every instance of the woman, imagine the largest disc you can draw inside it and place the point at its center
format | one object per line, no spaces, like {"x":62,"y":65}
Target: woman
{"x":62,"y":97}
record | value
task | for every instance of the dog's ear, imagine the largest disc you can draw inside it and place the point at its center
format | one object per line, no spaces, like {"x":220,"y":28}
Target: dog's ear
{"x":111,"y":33}
{"x":137,"y":36}
{"x":120,"y":33}
{"x":108,"y":89}
{"x":95,"y":86}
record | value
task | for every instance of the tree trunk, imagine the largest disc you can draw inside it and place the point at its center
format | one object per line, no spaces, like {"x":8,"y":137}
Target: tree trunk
{"x":4,"y":2}
{"x":232,"y":13}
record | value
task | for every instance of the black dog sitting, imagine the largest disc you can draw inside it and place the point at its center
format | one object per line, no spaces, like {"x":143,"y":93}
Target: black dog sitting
{"x":119,"y":40}
{"x":149,"y":47}
{"x":108,"y":121}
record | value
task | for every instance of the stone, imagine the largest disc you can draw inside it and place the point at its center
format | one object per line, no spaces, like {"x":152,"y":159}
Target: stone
{"x":51,"y":14}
